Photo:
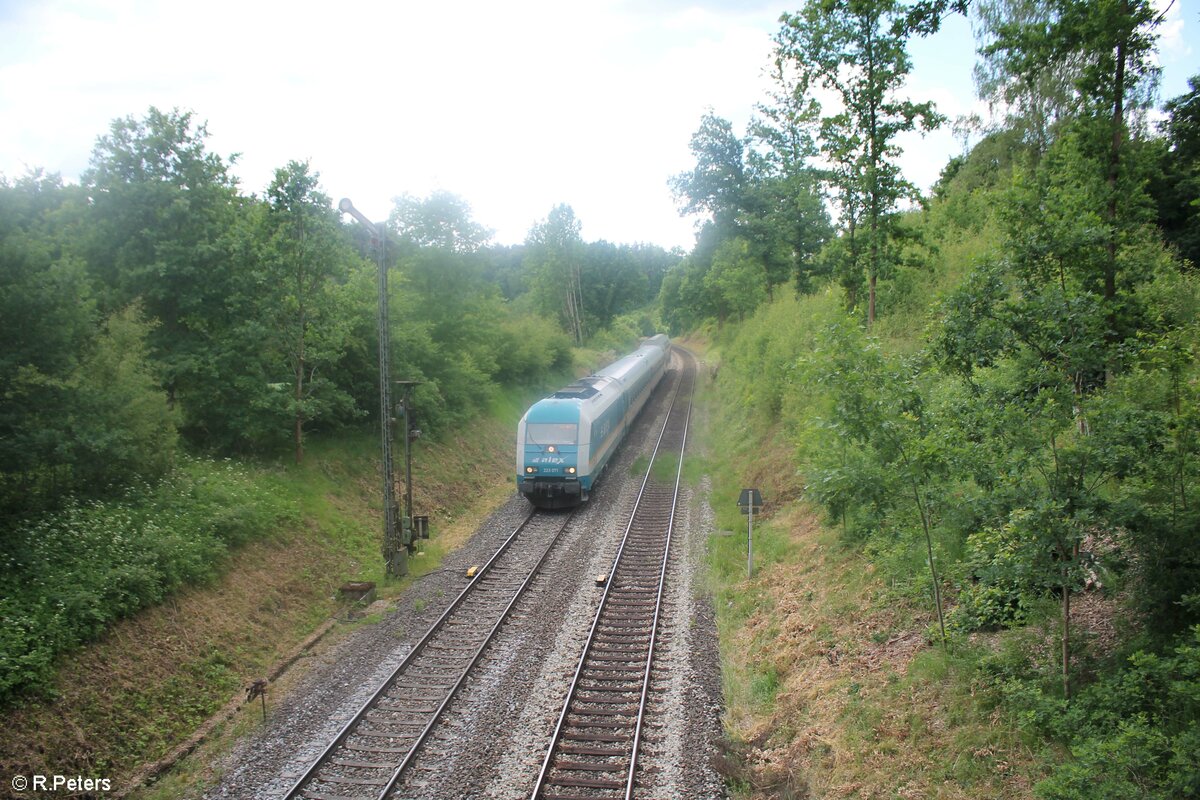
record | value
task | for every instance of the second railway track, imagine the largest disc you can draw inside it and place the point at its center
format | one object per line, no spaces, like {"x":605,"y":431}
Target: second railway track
{"x":594,"y":751}
{"x":373,"y":750}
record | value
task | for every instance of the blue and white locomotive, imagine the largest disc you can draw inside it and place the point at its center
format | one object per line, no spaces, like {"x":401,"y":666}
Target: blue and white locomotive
{"x":565,"y":440}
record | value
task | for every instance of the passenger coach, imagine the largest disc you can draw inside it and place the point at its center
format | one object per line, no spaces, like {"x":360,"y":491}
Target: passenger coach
{"x":565,"y":440}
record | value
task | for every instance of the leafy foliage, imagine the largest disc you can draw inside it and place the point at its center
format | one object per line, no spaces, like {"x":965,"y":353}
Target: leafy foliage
{"x":46,"y":316}
{"x":70,"y":573}
{"x":736,"y":281}
{"x":717,"y":185}
{"x":82,"y":407}
{"x":1135,"y":733}
{"x":441,"y":221}
{"x":857,"y":50}
{"x":1175,"y":185}
{"x":121,"y":428}
{"x":1022,"y":416}
{"x":765,"y":223}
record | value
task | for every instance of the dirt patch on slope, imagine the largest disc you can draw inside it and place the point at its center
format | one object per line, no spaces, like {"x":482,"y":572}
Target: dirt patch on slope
{"x":153,"y":678}
{"x":859,"y":706}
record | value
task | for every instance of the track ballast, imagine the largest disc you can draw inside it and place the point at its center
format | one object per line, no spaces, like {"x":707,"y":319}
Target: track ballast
{"x":595,"y":747}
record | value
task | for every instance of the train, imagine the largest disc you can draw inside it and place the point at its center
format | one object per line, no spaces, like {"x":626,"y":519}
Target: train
{"x":564,"y":441}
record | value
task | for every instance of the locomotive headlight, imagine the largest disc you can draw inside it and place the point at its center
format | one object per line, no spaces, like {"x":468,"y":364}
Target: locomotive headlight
{"x":570,"y":470}
{"x":530,"y":470}
{"x":551,"y":449}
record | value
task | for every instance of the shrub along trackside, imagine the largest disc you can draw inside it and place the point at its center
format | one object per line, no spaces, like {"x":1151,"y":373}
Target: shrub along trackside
{"x":72,"y":573}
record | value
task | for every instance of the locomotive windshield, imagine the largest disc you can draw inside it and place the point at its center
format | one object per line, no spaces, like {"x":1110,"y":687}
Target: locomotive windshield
{"x":551,"y":432}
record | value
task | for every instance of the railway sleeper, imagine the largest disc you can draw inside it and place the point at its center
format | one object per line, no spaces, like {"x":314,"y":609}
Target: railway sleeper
{"x":619,"y":668}
{"x":641,"y":625}
{"x":365,"y":748}
{"x":380,"y":719}
{"x":468,"y":645}
{"x":619,"y":657}
{"x":610,"y":724}
{"x":376,"y":733}
{"x":624,"y":643}
{"x":625,"y":711}
{"x":398,"y":704}
{"x":585,"y":750}
{"x":584,"y":766}
{"x":342,"y":779}
{"x":632,"y":639}
{"x":624,"y":685}
{"x":597,"y":737}
{"x":621,"y":692}
{"x":585,"y":783}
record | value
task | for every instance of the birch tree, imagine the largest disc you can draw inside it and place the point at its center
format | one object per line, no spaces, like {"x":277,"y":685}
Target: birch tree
{"x":556,"y":250}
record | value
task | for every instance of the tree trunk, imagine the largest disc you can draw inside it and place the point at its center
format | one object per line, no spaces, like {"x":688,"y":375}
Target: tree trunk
{"x":303,"y":320}
{"x":871,"y":300}
{"x":873,"y":158}
{"x":576,"y":273}
{"x":851,"y":229}
{"x":299,"y":434}
{"x":1114,"y":167}
{"x":937,"y":590}
{"x":1066,"y":630}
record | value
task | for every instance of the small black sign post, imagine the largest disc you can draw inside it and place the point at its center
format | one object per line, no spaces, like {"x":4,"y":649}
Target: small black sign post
{"x":750,"y":501}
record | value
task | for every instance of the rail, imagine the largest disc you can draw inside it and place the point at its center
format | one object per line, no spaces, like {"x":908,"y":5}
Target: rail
{"x":594,"y":750}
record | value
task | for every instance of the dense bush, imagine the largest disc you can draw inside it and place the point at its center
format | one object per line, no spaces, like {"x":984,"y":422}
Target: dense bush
{"x":69,"y":574}
{"x":529,"y":348}
{"x":1134,"y":733}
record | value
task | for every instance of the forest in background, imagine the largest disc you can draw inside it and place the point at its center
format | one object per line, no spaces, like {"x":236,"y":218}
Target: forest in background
{"x":991,"y":392}
{"x":156,"y":321}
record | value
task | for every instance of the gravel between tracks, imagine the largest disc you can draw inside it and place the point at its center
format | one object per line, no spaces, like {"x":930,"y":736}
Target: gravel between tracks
{"x":492,"y":739}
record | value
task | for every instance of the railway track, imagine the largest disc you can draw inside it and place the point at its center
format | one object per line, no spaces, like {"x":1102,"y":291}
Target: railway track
{"x":594,"y":750}
{"x":375,"y":748}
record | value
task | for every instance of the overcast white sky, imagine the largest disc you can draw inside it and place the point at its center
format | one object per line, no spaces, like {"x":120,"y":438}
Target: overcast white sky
{"x":514,"y":106}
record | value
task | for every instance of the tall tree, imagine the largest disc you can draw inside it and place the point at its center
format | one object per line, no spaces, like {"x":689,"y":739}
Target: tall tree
{"x":857,"y":49}
{"x":80,"y":406}
{"x":1028,"y":96}
{"x":47,"y":315}
{"x":306,"y":254}
{"x":618,"y":279}
{"x":555,"y":255}
{"x":716,"y":186}
{"x":736,"y":280}
{"x":786,"y":210}
{"x":442,"y":220}
{"x":1107,"y":48}
{"x":121,"y":427}
{"x":160,"y":210}
{"x":1176,"y":188}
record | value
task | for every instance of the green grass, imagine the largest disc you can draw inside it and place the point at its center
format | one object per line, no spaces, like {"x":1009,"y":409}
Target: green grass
{"x":639,"y":466}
